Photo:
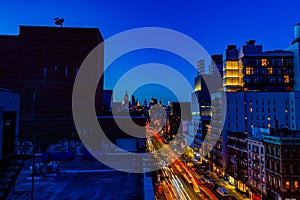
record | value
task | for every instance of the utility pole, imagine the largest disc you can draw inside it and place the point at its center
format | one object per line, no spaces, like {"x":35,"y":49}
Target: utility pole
{"x":33,"y":167}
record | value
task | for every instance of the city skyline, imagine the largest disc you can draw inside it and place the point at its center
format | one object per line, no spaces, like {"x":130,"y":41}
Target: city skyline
{"x":212,"y":24}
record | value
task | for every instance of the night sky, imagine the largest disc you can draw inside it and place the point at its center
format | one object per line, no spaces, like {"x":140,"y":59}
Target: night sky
{"x":214,"y":24}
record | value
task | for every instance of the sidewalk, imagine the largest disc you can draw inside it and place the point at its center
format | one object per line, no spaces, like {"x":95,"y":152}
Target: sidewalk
{"x":230,"y":188}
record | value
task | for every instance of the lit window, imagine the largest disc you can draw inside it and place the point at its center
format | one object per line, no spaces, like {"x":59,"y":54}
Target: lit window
{"x":287,"y":185}
{"x":286,"y":79}
{"x":264,"y":62}
{"x":270,"y":70}
{"x":296,"y":185}
{"x":248,"y":70}
{"x":251,"y":110}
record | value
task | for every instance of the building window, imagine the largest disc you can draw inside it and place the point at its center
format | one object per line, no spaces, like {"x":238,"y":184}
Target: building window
{"x":287,"y":169}
{"x":264,"y":62}
{"x":295,"y":169}
{"x":262,"y":102}
{"x":272,"y":150}
{"x":274,"y":110}
{"x":287,"y":185}
{"x":296,"y":186}
{"x":286,"y":79}
{"x":261,"y":150}
{"x":45,"y":71}
{"x":294,"y":153}
{"x":286,"y":153}
{"x":251,"y":109}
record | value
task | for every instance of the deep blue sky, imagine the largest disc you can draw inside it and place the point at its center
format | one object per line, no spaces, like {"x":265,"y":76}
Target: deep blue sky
{"x":214,"y":24}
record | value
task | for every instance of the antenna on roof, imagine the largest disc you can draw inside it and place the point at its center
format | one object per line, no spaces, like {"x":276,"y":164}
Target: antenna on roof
{"x":59,"y":21}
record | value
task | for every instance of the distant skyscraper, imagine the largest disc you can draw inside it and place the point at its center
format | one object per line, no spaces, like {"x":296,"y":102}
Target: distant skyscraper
{"x":201,"y":66}
{"x":216,"y":65}
{"x":295,"y":48}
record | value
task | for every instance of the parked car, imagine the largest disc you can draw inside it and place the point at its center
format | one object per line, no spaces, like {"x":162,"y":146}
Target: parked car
{"x":210,"y":181}
{"x":221,"y":191}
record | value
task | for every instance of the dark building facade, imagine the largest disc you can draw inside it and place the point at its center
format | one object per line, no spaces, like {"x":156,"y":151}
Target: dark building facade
{"x":41,"y":64}
{"x":9,"y":121}
{"x":282,"y":166}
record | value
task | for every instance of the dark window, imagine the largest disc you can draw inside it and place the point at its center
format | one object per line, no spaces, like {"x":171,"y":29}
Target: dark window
{"x":294,"y":153}
{"x":287,"y":169}
{"x":286,"y":153}
{"x":278,"y":151}
{"x":295,"y":169}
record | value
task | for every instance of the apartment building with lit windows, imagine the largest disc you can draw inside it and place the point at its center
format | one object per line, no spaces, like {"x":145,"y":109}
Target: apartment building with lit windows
{"x":282,"y":165}
{"x":249,"y":68}
{"x":257,"y":162}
